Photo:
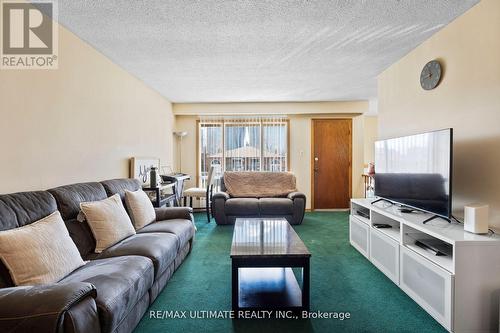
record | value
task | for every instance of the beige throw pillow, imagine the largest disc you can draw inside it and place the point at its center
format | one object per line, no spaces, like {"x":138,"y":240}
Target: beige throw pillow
{"x":39,"y":253}
{"x":140,"y":208}
{"x":108,"y":221}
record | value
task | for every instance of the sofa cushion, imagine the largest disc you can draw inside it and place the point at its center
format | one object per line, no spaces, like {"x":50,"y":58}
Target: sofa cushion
{"x":69,"y":197}
{"x":242,"y":206}
{"x":120,"y":283}
{"x":140,"y":208}
{"x":182,"y":229}
{"x":161,"y":248}
{"x":20,"y":209}
{"x":39,"y":253}
{"x":82,"y":236}
{"x":275,"y":206}
{"x":118,"y":186}
{"x":68,"y":200}
{"x":108,"y":221}
{"x":23,"y":208}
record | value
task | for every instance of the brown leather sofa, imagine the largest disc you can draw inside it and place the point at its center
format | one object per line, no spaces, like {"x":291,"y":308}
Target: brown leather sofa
{"x":114,"y":289}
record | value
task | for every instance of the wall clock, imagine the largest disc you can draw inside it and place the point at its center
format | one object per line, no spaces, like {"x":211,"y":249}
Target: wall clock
{"x":431,"y":75}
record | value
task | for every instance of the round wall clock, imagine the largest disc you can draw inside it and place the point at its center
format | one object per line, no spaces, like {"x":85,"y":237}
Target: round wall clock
{"x":431,"y":74}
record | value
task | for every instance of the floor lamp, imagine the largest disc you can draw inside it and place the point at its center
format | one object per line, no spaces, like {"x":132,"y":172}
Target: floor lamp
{"x":180,"y":135}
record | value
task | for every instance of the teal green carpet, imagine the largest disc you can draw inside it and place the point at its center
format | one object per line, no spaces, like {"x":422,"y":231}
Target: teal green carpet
{"x":342,"y":280}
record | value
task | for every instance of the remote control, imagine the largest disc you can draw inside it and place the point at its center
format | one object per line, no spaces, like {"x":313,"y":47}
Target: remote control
{"x":382,"y":226}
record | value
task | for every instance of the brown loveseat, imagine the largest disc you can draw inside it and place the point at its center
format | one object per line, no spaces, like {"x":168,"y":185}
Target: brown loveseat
{"x":113,"y":290}
{"x":259,"y":194}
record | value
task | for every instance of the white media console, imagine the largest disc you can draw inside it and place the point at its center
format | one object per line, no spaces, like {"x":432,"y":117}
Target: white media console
{"x":461,"y":291}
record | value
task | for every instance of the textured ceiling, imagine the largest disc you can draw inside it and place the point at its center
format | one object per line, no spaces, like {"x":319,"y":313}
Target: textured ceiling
{"x":276,"y":50}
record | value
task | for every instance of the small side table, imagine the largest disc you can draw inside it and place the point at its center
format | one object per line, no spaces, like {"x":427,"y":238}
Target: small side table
{"x":160,"y":197}
{"x":368,"y":182}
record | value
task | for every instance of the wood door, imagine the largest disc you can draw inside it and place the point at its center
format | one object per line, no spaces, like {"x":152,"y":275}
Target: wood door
{"x":331,"y":163}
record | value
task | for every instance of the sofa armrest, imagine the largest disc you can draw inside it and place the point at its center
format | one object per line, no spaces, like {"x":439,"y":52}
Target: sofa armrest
{"x":48,"y":308}
{"x":170,"y":213}
{"x":221,"y":196}
{"x":299,"y":206}
{"x":219,"y":207}
{"x":295,"y":195}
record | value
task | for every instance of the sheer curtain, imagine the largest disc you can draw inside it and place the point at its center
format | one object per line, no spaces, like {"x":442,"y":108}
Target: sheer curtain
{"x":258,"y":143}
{"x":210,"y":147}
{"x":275,"y":147}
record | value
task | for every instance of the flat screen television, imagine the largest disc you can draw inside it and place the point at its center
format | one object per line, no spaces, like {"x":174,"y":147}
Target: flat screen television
{"x":416,"y":171}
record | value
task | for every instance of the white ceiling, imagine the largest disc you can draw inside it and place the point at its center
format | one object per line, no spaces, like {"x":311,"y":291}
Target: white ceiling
{"x":275,"y":50}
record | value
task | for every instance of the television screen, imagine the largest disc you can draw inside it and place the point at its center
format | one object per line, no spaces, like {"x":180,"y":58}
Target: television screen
{"x":415,"y":171}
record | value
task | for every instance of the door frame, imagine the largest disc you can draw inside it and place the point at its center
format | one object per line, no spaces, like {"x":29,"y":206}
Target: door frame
{"x":312,"y":155}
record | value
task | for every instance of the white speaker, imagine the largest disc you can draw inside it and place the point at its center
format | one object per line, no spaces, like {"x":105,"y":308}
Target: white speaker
{"x":476,"y":218}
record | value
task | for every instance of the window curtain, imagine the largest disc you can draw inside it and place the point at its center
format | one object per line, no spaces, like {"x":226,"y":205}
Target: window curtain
{"x":257,"y":143}
{"x":210,"y":147}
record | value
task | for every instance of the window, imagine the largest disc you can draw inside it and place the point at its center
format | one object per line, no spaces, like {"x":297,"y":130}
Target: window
{"x":210,"y":148}
{"x":237,"y":144}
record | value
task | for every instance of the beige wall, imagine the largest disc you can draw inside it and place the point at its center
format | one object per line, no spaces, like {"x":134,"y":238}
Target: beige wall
{"x":300,"y":115}
{"x":468,"y":99}
{"x":370,"y":135}
{"x":78,"y":123}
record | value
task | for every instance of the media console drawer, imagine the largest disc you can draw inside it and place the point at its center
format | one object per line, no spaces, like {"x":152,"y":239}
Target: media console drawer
{"x":428,"y":284}
{"x":359,"y":235}
{"x":384,"y":254}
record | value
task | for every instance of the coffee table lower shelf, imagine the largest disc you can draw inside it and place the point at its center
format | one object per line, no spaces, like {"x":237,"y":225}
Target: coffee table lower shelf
{"x":270,"y":288}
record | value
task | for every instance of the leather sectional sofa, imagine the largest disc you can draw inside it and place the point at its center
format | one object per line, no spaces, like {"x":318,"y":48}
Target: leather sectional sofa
{"x":227,"y":209}
{"x":114,"y":289}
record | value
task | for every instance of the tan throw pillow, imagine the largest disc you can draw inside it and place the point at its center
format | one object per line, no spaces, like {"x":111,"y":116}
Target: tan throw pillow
{"x":39,"y":253}
{"x":140,"y":208}
{"x":108,"y":221}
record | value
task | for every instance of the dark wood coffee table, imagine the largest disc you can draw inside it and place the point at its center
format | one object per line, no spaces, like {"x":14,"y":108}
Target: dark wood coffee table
{"x":263,"y":253}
